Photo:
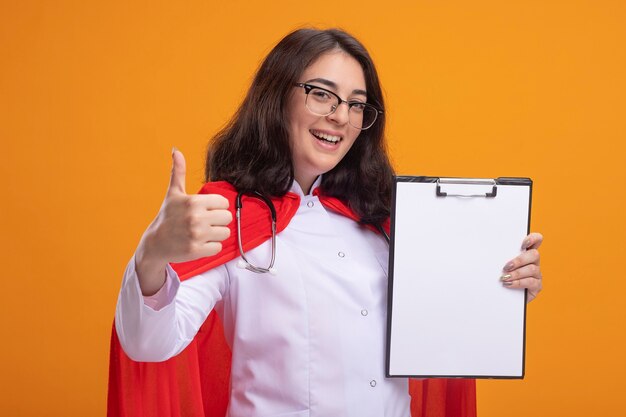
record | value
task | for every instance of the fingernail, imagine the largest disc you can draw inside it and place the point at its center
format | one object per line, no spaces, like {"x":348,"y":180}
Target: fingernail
{"x":526,"y":244}
{"x":507,"y":283}
{"x":509,"y":266}
{"x":505,"y":277}
{"x":174,"y":149}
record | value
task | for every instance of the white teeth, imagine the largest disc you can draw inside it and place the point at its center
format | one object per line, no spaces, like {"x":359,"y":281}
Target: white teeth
{"x":325,"y":136}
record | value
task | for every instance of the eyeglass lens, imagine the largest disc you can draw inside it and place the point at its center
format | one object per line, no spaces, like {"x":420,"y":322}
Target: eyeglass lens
{"x":360,"y":115}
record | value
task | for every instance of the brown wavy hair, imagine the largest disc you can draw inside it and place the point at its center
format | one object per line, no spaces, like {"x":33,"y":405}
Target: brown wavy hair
{"x":252,"y":151}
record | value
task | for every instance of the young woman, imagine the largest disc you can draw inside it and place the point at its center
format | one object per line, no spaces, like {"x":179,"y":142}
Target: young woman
{"x":307,"y":330}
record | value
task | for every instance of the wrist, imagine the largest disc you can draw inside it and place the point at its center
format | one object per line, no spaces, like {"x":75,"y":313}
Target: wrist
{"x":150,"y":268}
{"x":146,"y":252}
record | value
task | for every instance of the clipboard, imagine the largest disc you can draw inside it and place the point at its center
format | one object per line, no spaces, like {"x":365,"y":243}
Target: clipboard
{"x":449,"y":316}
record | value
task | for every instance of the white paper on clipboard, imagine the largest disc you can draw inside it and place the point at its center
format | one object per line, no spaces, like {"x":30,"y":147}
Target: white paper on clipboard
{"x":449,"y":314}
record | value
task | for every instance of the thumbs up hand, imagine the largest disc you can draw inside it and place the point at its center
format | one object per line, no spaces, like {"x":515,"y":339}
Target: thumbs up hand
{"x":187,"y":227}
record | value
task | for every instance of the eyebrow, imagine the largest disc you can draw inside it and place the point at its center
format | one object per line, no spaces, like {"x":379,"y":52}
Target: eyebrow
{"x":333,"y":85}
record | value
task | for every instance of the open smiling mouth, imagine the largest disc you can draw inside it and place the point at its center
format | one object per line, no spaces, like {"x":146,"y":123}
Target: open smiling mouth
{"x":325,"y":137}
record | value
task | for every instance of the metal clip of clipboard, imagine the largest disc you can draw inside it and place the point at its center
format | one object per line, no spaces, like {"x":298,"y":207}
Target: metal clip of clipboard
{"x":443,"y":181}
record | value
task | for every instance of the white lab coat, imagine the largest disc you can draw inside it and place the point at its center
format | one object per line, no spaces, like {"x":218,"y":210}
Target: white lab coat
{"x":306,"y":342}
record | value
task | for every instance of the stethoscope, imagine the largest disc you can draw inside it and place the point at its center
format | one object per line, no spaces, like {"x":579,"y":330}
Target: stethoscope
{"x":244,"y":262}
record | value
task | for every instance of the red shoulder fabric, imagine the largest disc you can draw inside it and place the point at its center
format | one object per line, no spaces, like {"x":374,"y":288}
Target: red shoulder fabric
{"x":195,"y":382}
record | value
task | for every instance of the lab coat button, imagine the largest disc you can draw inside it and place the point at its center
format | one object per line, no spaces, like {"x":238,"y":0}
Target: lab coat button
{"x":310,"y":204}
{"x":364,"y":312}
{"x":373,"y":383}
{"x":341,"y":255}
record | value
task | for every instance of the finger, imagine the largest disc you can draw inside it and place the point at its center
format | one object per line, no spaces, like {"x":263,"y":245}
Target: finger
{"x":209,"y":249}
{"x":219,"y":217}
{"x":210,"y":201}
{"x":212,"y":226}
{"x":530,"y":256}
{"x":527,"y":271}
{"x":210,"y":234}
{"x":532,"y":241}
{"x":177,"y":177}
{"x":532,"y":284}
{"x":218,"y":234}
{"x":212,"y":218}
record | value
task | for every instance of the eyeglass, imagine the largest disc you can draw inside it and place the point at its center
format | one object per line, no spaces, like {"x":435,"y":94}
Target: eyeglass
{"x":324,"y":102}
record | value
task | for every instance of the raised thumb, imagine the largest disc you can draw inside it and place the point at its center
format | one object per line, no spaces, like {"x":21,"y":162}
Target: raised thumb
{"x":177,"y":178}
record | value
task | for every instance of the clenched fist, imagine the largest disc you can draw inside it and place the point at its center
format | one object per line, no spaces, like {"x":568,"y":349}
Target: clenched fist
{"x":187,"y":227}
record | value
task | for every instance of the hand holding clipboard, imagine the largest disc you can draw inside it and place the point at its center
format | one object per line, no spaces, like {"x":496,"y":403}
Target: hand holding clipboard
{"x":449,"y":315}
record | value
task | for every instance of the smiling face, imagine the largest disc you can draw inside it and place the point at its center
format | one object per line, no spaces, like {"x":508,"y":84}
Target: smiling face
{"x":318,"y":143}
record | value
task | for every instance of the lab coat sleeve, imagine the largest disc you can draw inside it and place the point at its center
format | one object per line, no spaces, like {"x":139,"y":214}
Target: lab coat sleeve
{"x":154,"y":331}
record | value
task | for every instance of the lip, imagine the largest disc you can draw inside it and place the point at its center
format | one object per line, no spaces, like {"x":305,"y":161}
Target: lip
{"x":323,"y":145}
{"x":328,"y":132}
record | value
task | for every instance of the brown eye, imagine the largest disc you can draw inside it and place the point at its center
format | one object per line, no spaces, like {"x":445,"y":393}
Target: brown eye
{"x":320,"y":95}
{"x":357,"y":106}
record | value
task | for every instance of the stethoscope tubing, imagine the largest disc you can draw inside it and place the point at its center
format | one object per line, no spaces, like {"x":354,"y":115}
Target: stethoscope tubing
{"x":246,"y":263}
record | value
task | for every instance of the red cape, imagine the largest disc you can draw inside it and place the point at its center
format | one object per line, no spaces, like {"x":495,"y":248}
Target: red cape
{"x":195,"y":383}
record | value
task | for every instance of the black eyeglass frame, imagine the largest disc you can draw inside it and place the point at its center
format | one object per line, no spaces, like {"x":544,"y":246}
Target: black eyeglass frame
{"x":309,"y":87}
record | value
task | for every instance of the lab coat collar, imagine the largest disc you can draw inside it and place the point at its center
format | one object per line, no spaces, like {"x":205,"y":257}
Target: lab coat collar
{"x":296,"y":189}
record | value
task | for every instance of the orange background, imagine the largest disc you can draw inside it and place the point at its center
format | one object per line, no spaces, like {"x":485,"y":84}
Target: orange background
{"x":94,"y":96}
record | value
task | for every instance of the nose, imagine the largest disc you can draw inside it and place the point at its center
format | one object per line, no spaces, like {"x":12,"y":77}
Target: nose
{"x":340,"y":115}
